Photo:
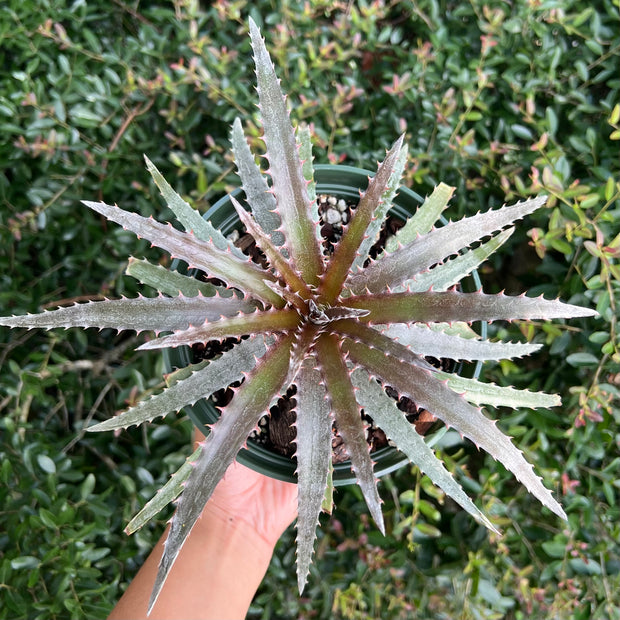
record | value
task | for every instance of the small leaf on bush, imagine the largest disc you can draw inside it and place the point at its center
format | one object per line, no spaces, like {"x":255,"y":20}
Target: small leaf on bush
{"x":46,"y":464}
{"x":28,"y":562}
{"x":48,"y":518}
{"x":87,"y":487}
{"x":555,"y":548}
{"x":582,"y":359}
{"x":426,"y":530}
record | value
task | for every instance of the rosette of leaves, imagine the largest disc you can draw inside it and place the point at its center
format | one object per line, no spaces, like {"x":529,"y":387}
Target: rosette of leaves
{"x":341,"y":326}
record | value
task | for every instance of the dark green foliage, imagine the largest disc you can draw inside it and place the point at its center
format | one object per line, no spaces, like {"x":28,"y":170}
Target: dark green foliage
{"x":63,"y":553}
{"x":76,"y":114}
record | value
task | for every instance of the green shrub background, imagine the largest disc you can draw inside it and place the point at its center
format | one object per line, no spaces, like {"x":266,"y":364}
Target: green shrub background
{"x":502,"y":100}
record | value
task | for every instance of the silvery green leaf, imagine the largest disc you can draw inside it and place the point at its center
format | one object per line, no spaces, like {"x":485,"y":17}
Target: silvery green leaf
{"x":171,"y":282}
{"x":449,"y":273}
{"x":305,"y":155}
{"x":141,"y":314}
{"x":455,"y":328}
{"x":423,"y":220}
{"x":431,"y":393}
{"x":240,"y":273}
{"x":189,"y":217}
{"x":231,"y":366}
{"x":386,"y":415}
{"x":288,"y":184}
{"x":254,"y":184}
{"x":251,"y":400}
{"x":314,"y":451}
{"x":168,"y":493}
{"x":480,"y":393}
{"x":428,"y":342}
{"x":427,"y":250}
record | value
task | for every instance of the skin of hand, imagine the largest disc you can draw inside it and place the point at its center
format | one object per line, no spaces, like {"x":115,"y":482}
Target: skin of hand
{"x":265,"y":505}
{"x":225,"y":556}
{"x":247,"y":496}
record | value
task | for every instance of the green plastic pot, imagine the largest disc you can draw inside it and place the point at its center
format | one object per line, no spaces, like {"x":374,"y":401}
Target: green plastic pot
{"x":343,"y":182}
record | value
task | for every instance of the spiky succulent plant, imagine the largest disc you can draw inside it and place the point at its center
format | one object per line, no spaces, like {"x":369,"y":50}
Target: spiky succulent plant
{"x":339,"y":326}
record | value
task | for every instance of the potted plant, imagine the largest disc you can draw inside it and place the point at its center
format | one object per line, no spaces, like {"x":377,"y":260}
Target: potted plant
{"x":340,"y":328}
{"x":344,"y":183}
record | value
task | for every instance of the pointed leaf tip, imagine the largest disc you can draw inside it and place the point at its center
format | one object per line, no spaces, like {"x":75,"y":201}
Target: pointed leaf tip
{"x":289,"y":185}
{"x":313,"y":461}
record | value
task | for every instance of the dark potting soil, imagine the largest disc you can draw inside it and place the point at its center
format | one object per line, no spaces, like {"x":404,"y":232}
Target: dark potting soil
{"x":276,"y":431}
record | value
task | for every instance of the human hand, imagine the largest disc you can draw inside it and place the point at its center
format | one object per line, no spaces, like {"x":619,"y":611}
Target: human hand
{"x":232,"y":543}
{"x":250,"y":499}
